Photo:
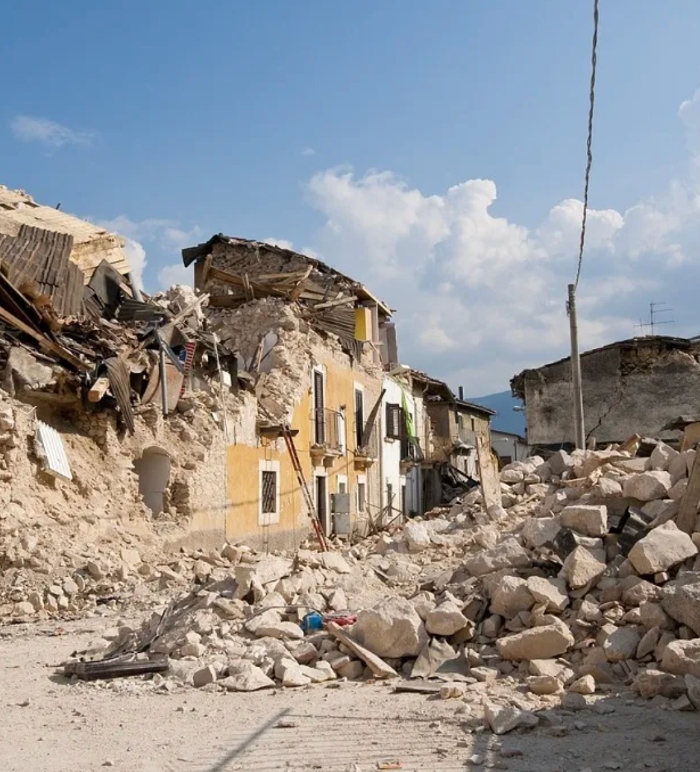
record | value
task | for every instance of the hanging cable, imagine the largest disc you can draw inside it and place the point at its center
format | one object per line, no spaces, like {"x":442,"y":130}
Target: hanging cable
{"x":589,"y":153}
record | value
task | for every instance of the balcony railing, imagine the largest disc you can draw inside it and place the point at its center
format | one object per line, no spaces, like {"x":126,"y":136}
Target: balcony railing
{"x":328,"y":430}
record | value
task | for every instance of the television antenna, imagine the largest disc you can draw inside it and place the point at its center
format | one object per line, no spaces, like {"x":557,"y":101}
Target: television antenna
{"x":656,"y":312}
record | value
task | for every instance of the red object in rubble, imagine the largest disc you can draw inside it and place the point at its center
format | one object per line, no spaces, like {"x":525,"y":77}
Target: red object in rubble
{"x":341,"y":618}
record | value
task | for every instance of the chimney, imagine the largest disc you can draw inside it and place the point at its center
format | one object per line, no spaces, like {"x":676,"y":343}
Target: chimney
{"x":461,"y":393}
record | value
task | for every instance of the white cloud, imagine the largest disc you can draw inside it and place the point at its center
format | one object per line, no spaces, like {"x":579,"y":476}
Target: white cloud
{"x":282,"y":243}
{"x":136,"y":255}
{"x":479,"y":296}
{"x":166,"y":237}
{"x":176,"y":273}
{"x":46,"y":132}
{"x":308,"y":151}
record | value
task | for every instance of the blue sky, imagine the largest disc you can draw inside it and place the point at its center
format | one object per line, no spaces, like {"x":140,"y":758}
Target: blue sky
{"x":434,"y":150}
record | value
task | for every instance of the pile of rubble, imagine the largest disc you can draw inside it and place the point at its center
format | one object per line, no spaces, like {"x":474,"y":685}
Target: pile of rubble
{"x":579,"y":584}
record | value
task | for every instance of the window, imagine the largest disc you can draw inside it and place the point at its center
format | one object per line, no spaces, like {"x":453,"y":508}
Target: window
{"x":269,"y":492}
{"x":390,"y":496}
{"x":342,"y":483}
{"x":361,"y":494}
{"x":393,"y":421}
{"x":473,"y":425}
{"x":269,"y":496}
{"x":359,"y":417}
{"x":319,"y":405}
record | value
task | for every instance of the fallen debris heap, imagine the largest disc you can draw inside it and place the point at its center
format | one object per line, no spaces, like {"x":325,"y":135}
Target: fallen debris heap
{"x":581,"y":583}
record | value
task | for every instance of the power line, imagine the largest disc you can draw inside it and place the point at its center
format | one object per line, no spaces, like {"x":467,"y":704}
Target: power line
{"x":589,"y":143}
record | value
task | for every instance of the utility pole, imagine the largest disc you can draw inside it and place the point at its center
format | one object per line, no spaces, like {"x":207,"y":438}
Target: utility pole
{"x":579,"y":431}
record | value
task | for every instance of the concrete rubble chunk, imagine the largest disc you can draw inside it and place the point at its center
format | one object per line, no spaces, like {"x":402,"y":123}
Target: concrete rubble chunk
{"x":586,"y":519}
{"x":502,"y":719}
{"x":551,"y":667}
{"x":559,"y":462}
{"x":511,"y":596}
{"x":508,"y":554}
{"x":539,"y":531}
{"x":648,"y":643}
{"x":636,"y":591}
{"x":678,"y":468}
{"x":552,"y":592}
{"x":621,"y":643}
{"x":391,"y":629}
{"x":536,"y":643}
{"x":543,"y":685}
{"x":289,"y":672}
{"x":334,"y":561}
{"x":270,"y":624}
{"x":651,"y":683}
{"x":204,"y":676}
{"x":681,"y":602}
{"x":446,"y":619}
{"x":582,"y":567}
{"x":244,"y":676}
{"x":583,"y":685}
{"x":682,"y":657}
{"x":692,"y":684}
{"x":662,"y":456}
{"x":416,"y":536}
{"x":647,"y":486}
{"x":661,"y":549}
{"x":269,"y":569}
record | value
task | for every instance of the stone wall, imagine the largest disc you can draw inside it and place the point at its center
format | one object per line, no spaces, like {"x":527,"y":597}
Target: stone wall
{"x":633,"y":388}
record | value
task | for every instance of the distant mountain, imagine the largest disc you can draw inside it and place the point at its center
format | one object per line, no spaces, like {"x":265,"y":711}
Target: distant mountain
{"x":507,"y":419}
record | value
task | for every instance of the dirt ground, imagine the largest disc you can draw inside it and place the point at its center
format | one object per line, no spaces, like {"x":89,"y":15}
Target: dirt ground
{"x":52,"y":725}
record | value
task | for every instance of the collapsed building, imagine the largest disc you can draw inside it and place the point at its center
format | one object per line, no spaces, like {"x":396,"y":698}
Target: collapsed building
{"x":631,"y":386}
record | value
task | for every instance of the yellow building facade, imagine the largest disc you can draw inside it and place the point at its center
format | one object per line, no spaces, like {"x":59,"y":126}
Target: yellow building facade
{"x":266,"y":505}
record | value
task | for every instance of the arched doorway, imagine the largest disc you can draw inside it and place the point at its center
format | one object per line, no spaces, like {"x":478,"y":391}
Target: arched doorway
{"x":153,"y":470}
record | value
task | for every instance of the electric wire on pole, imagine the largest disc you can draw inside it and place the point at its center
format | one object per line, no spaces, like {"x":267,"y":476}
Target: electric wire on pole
{"x":577,"y":391}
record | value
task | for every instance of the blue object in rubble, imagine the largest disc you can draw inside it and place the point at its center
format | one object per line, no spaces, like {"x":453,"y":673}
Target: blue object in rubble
{"x":312,"y":621}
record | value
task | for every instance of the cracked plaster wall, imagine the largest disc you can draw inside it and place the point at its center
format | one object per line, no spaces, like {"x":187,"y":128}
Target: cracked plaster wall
{"x":626,"y":390}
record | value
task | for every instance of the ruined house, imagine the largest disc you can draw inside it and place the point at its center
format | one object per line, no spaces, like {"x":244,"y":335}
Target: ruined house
{"x":110,"y":411}
{"x":453,"y":426}
{"x":310,"y":343}
{"x":631,"y":386}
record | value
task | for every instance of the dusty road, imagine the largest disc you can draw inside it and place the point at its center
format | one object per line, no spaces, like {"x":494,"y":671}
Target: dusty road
{"x":50,"y":725}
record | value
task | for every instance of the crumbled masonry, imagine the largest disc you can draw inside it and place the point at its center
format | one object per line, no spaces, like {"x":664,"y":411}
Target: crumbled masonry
{"x":533,"y":599}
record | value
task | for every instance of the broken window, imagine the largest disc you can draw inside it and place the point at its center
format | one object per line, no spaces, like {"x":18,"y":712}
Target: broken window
{"x":319,"y":404}
{"x":359,"y":417}
{"x":269,"y":493}
{"x":393,"y":421}
{"x":361,"y":496}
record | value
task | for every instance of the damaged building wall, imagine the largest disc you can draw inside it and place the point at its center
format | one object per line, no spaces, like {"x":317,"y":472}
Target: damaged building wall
{"x":635,"y":386}
{"x":47,"y":522}
{"x":283,"y":369}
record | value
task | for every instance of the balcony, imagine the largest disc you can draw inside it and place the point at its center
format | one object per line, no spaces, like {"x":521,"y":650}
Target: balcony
{"x":368,"y":452}
{"x":327,"y":436}
{"x":411,"y":453}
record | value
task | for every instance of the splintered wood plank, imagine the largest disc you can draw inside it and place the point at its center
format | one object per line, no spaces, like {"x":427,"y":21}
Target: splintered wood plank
{"x":374,"y":663}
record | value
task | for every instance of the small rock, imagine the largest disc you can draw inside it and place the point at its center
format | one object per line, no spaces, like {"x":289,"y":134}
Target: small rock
{"x":586,"y":519}
{"x":582,"y":567}
{"x":416,"y":536}
{"x":583,"y":685}
{"x":505,"y":719}
{"x":549,"y":591}
{"x":536,"y":643}
{"x":445,"y":620}
{"x":661,"y":549}
{"x":207,"y":675}
{"x":647,"y":486}
{"x":543,"y":685}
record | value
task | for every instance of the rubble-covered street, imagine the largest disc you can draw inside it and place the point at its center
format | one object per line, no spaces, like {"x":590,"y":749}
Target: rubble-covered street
{"x":555,"y":632}
{"x":351,"y":726}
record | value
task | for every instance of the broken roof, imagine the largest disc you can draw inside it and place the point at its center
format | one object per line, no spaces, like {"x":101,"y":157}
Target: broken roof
{"x":443,"y":393}
{"x":517,"y":382}
{"x":91,"y":243}
{"x":201,"y":251}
